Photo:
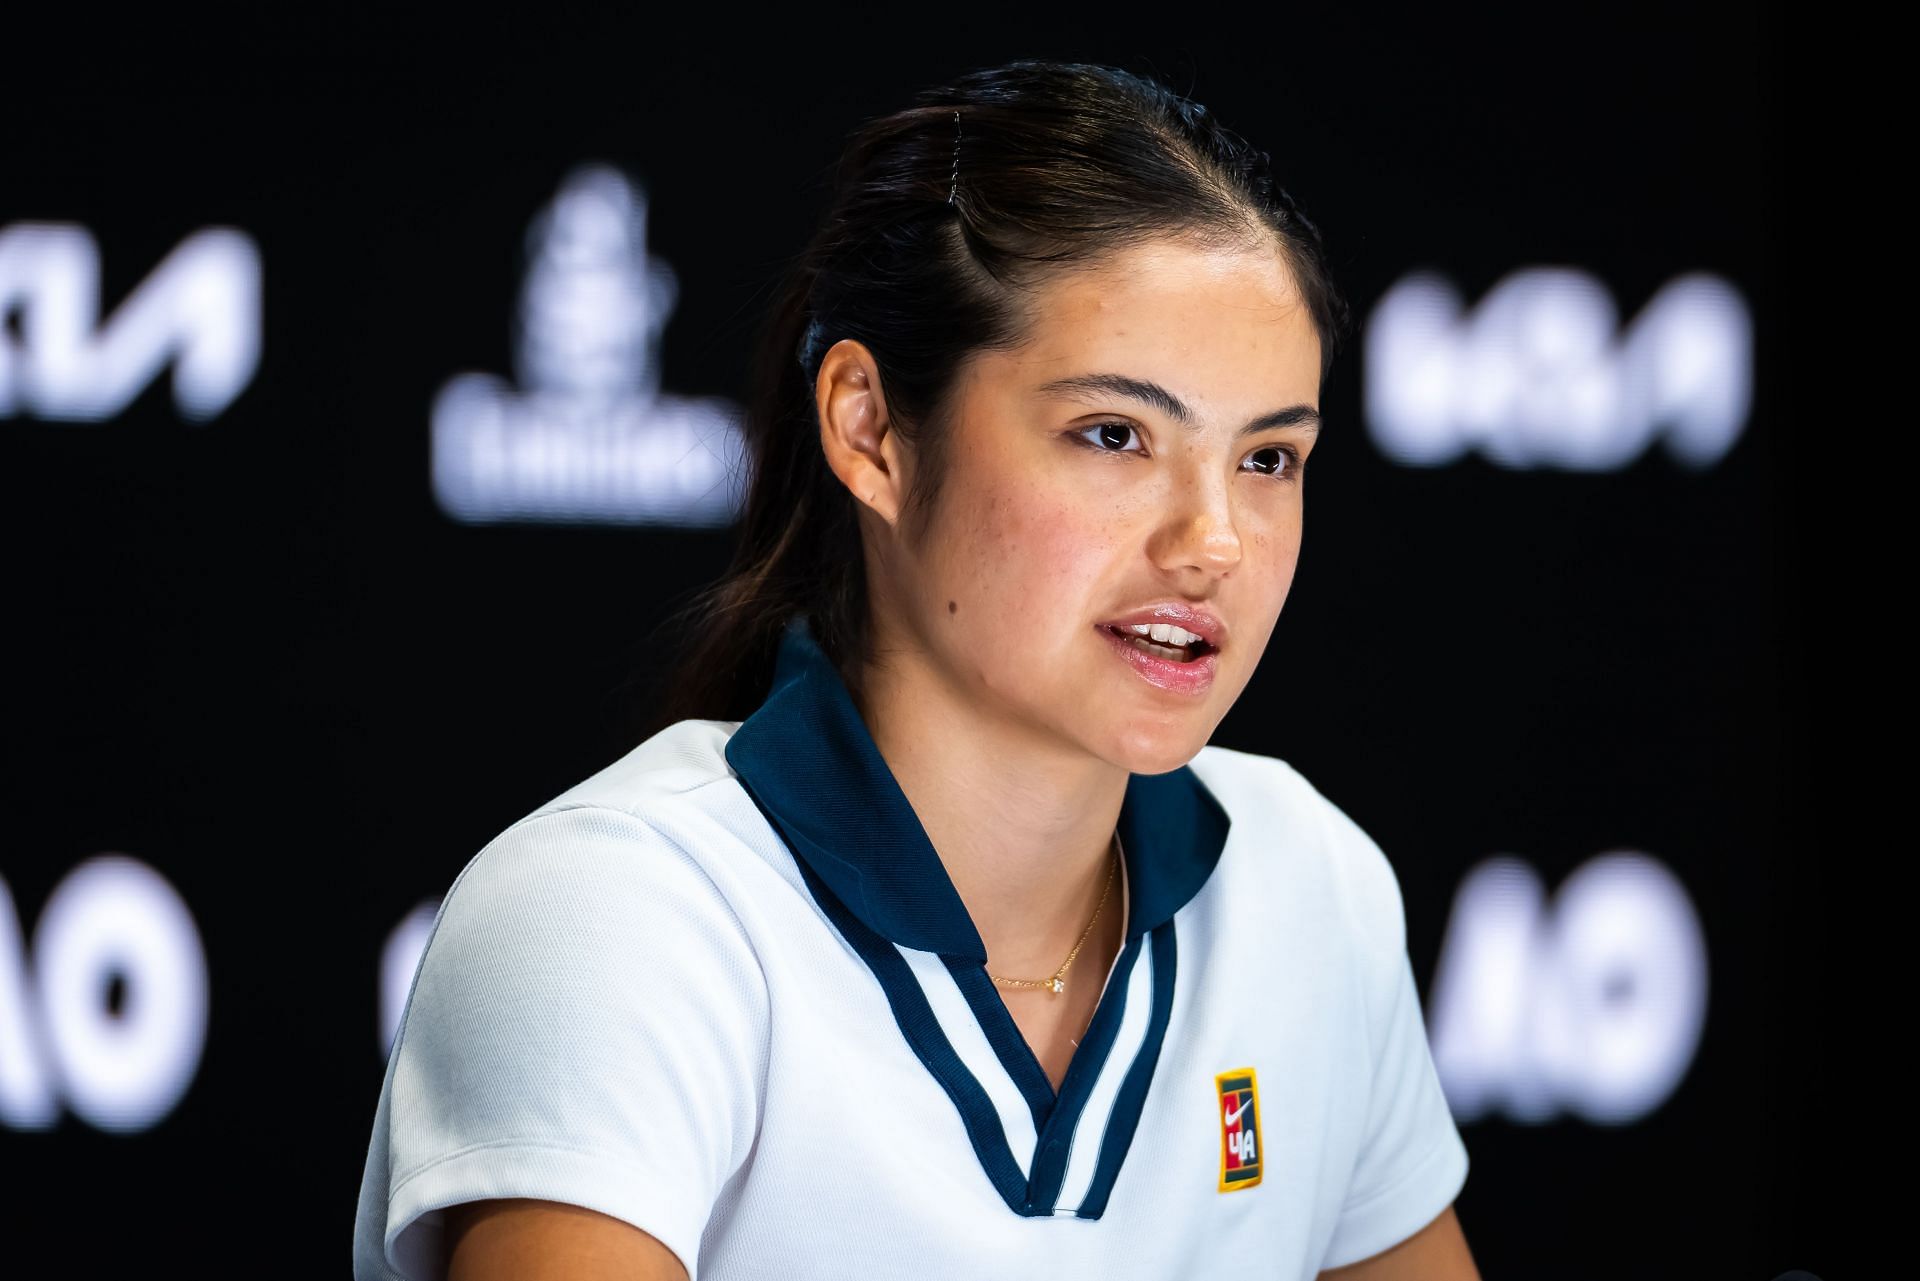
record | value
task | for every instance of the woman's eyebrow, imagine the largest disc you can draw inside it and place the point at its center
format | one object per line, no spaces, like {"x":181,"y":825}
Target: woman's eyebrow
{"x":1079,"y":386}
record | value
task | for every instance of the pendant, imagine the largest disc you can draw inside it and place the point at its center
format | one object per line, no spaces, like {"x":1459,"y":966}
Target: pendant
{"x":1058,"y":987}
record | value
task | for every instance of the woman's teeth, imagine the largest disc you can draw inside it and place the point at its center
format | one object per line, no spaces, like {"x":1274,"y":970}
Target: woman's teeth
{"x":1174,"y":652}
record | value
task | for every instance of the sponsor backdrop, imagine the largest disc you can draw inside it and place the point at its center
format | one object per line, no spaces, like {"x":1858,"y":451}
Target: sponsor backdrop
{"x":364,"y":408}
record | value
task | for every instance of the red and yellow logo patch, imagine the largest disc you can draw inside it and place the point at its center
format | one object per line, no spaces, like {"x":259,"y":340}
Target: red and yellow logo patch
{"x":1239,"y":1129}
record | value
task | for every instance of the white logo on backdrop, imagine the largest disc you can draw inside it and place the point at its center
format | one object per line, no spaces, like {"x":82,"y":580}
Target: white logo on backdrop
{"x":119,"y":1070}
{"x":587,"y":435}
{"x":1594,"y":1005}
{"x":198,"y":310}
{"x":1539,"y":374}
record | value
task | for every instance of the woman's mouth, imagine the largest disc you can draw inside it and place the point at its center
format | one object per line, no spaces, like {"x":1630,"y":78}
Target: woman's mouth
{"x":1174,"y":653}
{"x":1179,"y":669}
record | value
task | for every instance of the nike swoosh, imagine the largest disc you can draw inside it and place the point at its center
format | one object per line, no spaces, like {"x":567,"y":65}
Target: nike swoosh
{"x":1233,"y":1114}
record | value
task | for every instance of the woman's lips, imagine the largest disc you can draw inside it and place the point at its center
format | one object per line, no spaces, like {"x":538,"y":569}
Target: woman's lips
{"x":1190,"y":678}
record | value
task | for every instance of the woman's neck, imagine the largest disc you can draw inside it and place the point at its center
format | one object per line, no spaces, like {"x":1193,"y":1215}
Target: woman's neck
{"x":1023,"y":822}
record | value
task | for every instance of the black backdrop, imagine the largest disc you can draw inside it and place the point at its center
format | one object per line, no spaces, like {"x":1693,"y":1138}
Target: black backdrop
{"x":256,"y":655}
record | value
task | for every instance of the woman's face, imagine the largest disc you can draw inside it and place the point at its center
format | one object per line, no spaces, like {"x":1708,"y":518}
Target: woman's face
{"x":1077,"y":495}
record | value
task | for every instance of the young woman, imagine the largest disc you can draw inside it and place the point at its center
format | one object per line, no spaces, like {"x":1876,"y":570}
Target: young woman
{"x":926,"y":934}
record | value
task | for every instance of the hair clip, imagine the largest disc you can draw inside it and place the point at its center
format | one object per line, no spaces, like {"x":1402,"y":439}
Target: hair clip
{"x":956,"y":158}
{"x":810,"y":345}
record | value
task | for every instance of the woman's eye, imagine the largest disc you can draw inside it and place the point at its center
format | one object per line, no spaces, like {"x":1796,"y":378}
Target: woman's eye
{"x":1109,"y":432}
{"x":1287,"y":465}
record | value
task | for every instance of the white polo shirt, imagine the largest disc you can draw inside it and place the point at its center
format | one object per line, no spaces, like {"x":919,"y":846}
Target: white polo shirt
{"x":724,"y":990}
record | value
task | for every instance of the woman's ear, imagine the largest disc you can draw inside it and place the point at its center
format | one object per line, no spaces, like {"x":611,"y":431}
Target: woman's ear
{"x":855,"y":432}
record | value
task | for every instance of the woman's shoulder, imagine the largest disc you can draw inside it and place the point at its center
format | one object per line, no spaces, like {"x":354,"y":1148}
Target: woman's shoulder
{"x":648,"y":826}
{"x":1286,"y":819}
{"x":677,"y":762}
{"x":615,"y":876}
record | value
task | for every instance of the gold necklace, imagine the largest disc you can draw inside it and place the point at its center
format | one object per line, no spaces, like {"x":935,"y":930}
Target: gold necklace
{"x":1058,"y":981}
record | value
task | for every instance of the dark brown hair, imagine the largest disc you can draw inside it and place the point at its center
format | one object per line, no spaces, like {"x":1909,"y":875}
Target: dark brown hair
{"x":943,"y":217}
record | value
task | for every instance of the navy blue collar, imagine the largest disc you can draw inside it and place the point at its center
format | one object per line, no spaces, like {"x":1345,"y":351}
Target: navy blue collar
{"x":808,"y":761}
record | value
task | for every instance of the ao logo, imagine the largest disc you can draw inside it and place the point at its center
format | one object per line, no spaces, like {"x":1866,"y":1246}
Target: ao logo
{"x":199,"y":309}
{"x":123,"y":1070}
{"x":587,"y":435}
{"x":1537,"y":375}
{"x":1593,"y":1006}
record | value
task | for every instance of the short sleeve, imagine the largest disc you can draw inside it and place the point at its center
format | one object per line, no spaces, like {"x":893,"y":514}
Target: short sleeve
{"x":1412,"y":1161}
{"x":588,"y":1024}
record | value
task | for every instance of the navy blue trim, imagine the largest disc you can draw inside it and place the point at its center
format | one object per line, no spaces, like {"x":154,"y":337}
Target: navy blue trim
{"x":815,"y":766}
{"x":1128,"y":1105}
{"x":1172,"y":830}
{"x":928,"y":1040}
{"x":809,"y":763}
{"x":1036,"y":1195}
{"x":1004,"y":1035}
{"x":1056,"y":1141}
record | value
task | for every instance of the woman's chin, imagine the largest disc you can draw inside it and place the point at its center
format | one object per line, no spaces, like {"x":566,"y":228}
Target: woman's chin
{"x":1141,"y":751}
